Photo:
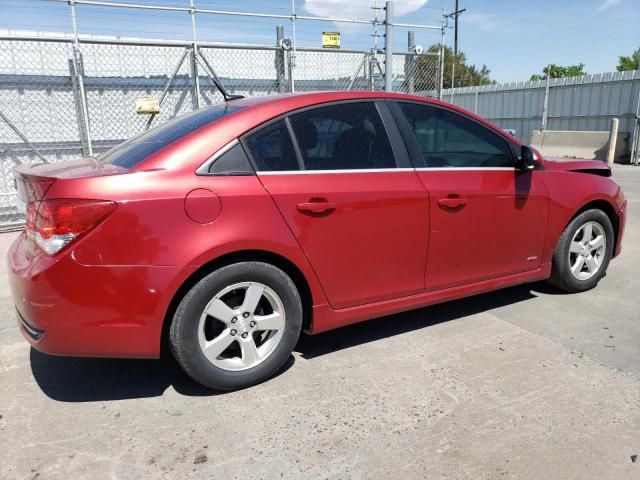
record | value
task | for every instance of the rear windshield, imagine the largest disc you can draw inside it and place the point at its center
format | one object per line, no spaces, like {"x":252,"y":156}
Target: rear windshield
{"x":131,"y":152}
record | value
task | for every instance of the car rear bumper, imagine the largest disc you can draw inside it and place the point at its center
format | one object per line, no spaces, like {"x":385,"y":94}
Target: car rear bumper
{"x":66,"y":308}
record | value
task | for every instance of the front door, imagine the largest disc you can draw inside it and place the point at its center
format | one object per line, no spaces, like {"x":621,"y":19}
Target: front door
{"x":488,"y":219}
{"x":362,"y":221}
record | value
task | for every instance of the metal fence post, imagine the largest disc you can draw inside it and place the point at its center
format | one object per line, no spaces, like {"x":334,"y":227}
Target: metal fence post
{"x":292,"y":86}
{"x":292,"y":52}
{"x":279,"y":60}
{"x":77,"y":76}
{"x":635,"y":147}
{"x":371,"y":84}
{"x":388,"y":48}
{"x":410,"y":62}
{"x":77,"y":100}
{"x":193,"y":68}
{"x":441,"y":72}
{"x":194,"y":60}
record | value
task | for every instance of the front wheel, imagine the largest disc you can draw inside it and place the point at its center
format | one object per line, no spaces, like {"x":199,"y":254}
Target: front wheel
{"x":583,"y":252}
{"x":237,"y":326}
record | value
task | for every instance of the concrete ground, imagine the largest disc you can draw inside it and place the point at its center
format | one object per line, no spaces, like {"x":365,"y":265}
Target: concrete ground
{"x":520,"y":383}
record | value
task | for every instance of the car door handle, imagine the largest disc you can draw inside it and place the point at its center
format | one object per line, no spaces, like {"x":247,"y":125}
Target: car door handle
{"x":452,"y":202}
{"x":317,"y":209}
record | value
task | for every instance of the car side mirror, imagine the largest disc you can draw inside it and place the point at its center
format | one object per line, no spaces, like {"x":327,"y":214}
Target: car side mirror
{"x":528,"y":159}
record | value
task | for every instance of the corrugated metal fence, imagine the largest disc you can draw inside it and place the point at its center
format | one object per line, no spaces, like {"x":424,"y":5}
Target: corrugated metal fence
{"x":576,"y":103}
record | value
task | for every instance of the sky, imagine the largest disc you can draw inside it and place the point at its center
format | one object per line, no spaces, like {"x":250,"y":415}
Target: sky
{"x":514,"y":38}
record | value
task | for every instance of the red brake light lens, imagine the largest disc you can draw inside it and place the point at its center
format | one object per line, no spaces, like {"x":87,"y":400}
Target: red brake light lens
{"x":53,"y":224}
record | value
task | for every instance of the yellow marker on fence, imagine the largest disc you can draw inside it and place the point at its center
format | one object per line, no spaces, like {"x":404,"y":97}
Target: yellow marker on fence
{"x":147,"y":105}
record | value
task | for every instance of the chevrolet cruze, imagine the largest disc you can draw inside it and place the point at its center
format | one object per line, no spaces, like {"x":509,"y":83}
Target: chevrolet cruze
{"x":228,"y":231}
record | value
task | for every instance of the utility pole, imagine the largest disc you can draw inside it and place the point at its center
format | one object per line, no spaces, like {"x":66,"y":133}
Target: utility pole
{"x":455,"y":32}
{"x":455,"y":14}
{"x":455,"y":29}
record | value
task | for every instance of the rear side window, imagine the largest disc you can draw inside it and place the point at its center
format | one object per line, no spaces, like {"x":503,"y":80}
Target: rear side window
{"x":128,"y":154}
{"x":272,"y":149}
{"x":232,"y":162}
{"x":343,"y":136}
{"x":448,"y":139}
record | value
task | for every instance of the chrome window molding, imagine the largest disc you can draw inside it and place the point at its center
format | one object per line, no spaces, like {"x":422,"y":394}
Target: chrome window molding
{"x":351,"y":170}
{"x":468,"y":169}
{"x":386,"y":170}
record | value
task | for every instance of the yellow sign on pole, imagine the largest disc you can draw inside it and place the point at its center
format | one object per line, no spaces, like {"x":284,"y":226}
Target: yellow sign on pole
{"x":330,"y":39}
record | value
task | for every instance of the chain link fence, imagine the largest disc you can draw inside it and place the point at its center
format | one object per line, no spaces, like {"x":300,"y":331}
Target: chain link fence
{"x":416,"y":73}
{"x":38,"y":112}
{"x":53,"y":110}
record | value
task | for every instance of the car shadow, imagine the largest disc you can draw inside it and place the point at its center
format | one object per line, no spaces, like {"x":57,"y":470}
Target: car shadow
{"x":370,"y":331}
{"x":80,"y":379}
{"x":72,"y":379}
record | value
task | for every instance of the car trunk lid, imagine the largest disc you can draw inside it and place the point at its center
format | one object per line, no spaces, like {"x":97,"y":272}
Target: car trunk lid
{"x":32,"y":181}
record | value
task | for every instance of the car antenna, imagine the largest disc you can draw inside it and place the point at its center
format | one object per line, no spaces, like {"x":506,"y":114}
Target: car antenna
{"x":216,"y":80}
{"x":226,"y":95}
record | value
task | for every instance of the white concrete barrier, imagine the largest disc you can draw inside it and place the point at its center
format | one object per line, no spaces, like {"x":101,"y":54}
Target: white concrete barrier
{"x":579,"y":144}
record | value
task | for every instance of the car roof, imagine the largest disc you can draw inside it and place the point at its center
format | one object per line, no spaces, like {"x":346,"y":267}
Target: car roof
{"x":275,"y":105}
{"x":311,"y":98}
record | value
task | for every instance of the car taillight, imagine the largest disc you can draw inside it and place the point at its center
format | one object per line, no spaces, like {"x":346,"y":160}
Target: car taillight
{"x":53,"y":224}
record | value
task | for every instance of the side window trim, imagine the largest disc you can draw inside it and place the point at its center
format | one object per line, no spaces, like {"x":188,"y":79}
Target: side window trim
{"x":412,"y":143}
{"x":294,"y":141}
{"x":400,"y":152}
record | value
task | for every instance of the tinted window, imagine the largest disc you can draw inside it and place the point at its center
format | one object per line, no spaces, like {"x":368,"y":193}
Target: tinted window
{"x":447,"y":139}
{"x":272,"y":149}
{"x":232,"y":162}
{"x":344,"y":136}
{"x":136,"y":149}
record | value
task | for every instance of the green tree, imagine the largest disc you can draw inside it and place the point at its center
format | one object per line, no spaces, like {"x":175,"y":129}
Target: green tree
{"x":558,"y":71}
{"x":465,"y":75}
{"x":632,"y":62}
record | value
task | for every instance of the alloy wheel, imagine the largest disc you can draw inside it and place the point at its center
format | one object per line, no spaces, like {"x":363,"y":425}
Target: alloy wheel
{"x":241,"y":326}
{"x":587,"y":250}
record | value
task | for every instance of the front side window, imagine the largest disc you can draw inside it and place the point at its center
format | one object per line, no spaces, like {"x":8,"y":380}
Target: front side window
{"x":341,"y":137}
{"x":448,"y":139}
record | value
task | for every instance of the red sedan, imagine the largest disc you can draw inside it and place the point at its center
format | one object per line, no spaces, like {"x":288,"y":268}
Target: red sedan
{"x":228,"y":231}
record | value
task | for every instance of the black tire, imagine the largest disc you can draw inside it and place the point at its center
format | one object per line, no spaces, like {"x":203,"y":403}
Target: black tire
{"x":561,"y":276}
{"x":183,"y":333}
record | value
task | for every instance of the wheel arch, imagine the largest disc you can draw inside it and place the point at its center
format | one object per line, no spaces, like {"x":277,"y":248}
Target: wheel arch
{"x":265,"y":256}
{"x":607,"y":207}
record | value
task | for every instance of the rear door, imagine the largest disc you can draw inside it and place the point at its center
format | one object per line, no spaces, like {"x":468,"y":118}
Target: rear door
{"x":488,"y":219}
{"x":341,"y":177}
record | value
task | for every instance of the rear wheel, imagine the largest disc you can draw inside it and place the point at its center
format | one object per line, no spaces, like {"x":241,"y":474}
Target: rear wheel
{"x":583,"y":252}
{"x":237,"y":326}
